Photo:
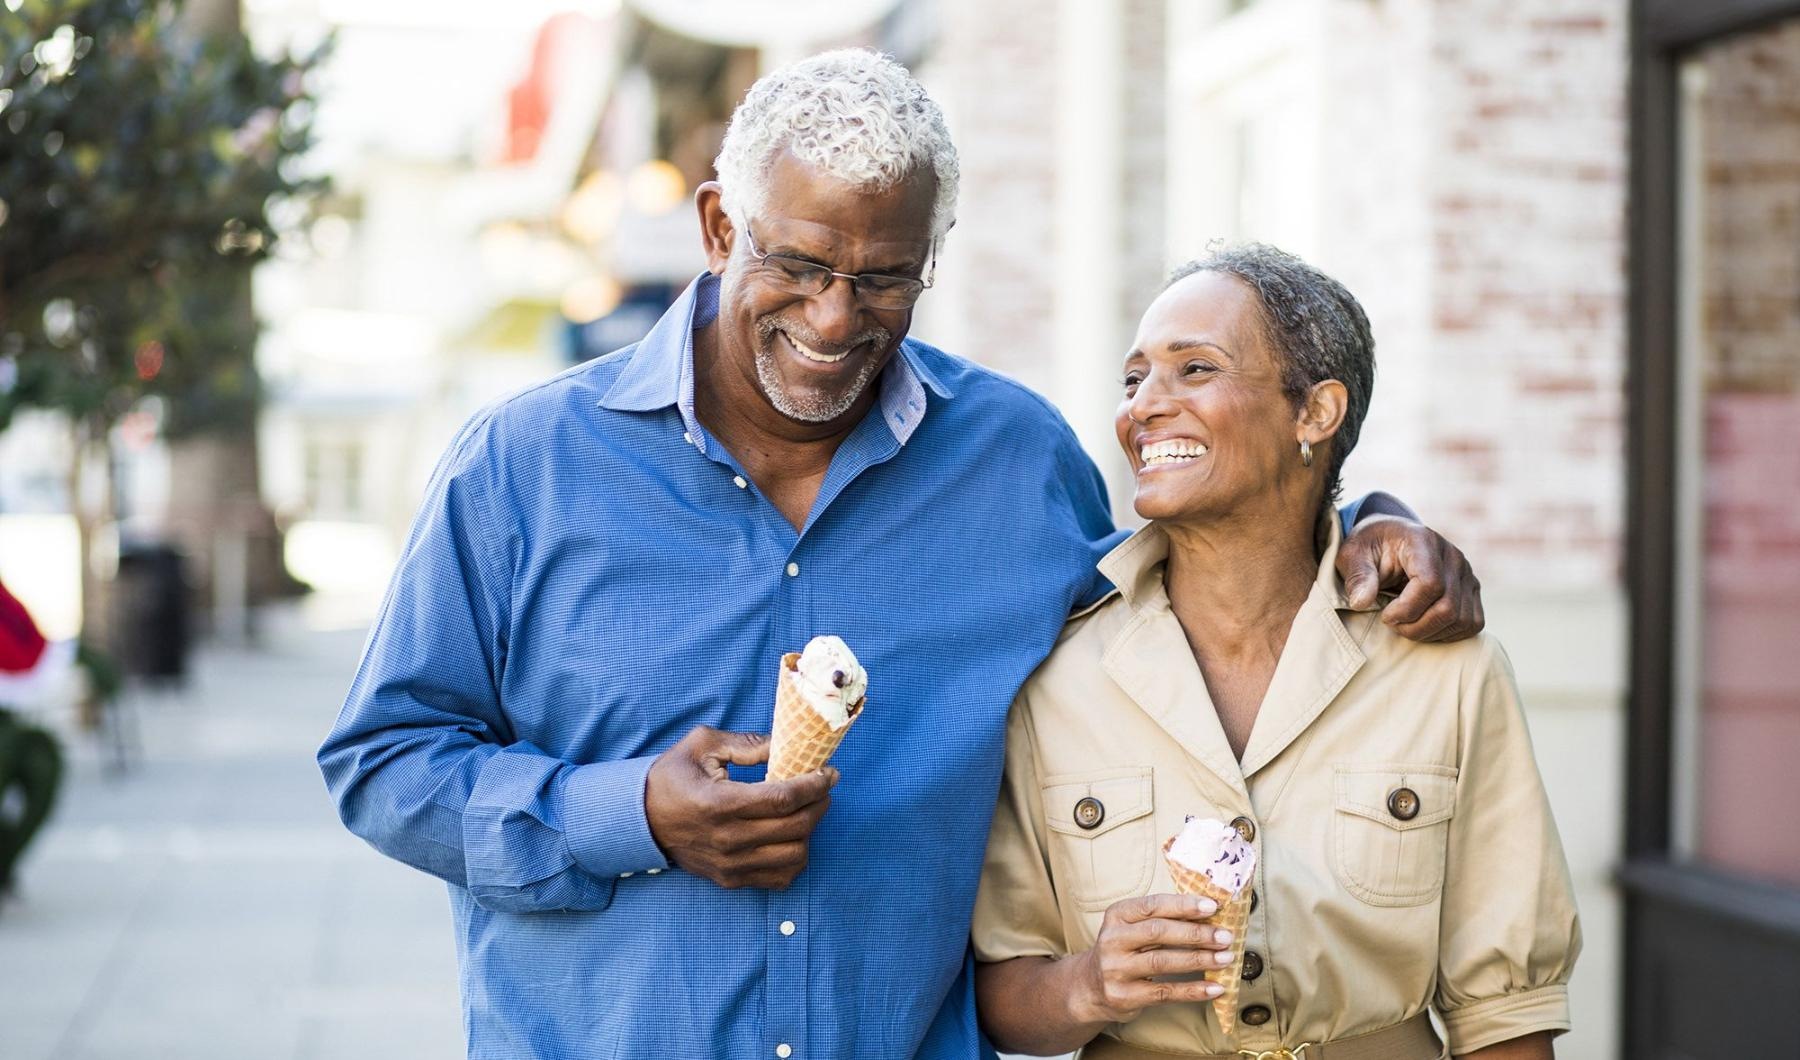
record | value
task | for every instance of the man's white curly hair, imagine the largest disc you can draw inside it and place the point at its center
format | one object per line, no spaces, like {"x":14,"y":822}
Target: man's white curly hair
{"x":854,"y":114}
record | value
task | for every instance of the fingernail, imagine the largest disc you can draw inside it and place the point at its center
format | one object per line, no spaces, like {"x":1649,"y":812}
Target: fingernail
{"x":1223,"y":957}
{"x":1214,"y":989}
{"x":1206,"y":906}
{"x":1223,"y":937}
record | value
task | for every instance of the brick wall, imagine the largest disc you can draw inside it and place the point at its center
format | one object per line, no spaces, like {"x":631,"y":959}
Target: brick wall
{"x":993,"y":70}
{"x":1496,"y":258}
{"x":1470,"y":189}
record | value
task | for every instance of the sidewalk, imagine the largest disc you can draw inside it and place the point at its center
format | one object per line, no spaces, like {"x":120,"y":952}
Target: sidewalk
{"x":207,"y":903}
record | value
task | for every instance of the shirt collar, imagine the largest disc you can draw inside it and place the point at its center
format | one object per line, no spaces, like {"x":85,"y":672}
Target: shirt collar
{"x":661,"y":370}
{"x":1136,"y":568}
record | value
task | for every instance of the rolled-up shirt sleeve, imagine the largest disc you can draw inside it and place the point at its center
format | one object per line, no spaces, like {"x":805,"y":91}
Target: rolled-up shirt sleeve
{"x":1016,"y":912}
{"x":423,"y":762}
{"x":1509,"y":934}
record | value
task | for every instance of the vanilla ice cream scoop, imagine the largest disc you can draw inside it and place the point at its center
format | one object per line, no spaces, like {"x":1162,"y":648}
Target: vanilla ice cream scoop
{"x":1214,"y":848}
{"x":830,"y":679}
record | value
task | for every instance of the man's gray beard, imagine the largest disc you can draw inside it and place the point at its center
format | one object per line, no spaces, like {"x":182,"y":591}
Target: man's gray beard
{"x":827,"y":407}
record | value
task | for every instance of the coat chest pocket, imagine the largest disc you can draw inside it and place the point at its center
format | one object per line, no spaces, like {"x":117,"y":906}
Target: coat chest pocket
{"x":1390,"y":831}
{"x":1104,"y":846}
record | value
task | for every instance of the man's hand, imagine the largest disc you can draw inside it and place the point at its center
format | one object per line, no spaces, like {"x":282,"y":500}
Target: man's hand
{"x":1441,"y":598}
{"x":734,"y":834}
{"x":1156,"y":935}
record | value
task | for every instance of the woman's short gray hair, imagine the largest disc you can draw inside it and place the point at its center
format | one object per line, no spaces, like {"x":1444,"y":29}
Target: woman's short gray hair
{"x":1314,"y":326}
{"x":855,"y":114}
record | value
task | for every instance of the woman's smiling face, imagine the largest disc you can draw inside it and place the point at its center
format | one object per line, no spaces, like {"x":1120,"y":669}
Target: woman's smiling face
{"x":1204,"y":420}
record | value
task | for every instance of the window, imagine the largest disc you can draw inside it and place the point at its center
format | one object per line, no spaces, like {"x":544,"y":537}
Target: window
{"x":1737,"y":671}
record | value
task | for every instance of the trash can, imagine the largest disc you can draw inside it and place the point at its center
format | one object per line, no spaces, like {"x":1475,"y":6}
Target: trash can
{"x":150,"y":612}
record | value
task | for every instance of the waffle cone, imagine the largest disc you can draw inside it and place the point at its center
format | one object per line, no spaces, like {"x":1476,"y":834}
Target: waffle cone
{"x":801,"y":741}
{"x":1233,"y":916}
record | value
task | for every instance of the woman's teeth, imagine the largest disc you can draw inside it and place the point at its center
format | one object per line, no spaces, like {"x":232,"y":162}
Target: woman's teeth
{"x":1171,"y":452}
{"x":814,"y":355}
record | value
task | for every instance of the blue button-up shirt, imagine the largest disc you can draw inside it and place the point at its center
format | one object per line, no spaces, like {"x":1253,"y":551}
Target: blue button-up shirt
{"x":592,"y":575}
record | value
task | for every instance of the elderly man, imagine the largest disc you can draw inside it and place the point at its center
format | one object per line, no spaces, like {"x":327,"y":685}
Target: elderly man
{"x":582,"y":639}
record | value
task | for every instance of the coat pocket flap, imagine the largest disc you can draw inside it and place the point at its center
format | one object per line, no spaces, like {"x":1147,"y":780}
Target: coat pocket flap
{"x":1086,"y":805}
{"x":1380,"y":793}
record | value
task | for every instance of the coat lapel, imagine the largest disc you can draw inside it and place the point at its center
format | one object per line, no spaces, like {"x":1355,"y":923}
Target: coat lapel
{"x":1319,"y":659}
{"x":1150,"y":660}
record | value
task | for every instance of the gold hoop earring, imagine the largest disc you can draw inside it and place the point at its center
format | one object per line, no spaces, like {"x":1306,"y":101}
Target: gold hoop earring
{"x":1305,"y":453}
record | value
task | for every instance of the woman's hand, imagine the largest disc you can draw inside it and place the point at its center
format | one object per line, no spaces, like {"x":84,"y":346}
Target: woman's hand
{"x":1141,"y":939}
{"x":1440,"y":598}
{"x":1042,"y":1006}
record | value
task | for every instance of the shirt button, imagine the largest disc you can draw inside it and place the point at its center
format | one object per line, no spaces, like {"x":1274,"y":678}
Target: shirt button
{"x":1252,"y":965}
{"x":1089,"y":813}
{"x":1253,"y":901}
{"x":687,"y":437}
{"x":787,"y":927}
{"x":1245,"y":827}
{"x":793,"y":570}
{"x":626,"y":875}
{"x":1403,"y":803}
{"x":738,"y":481}
{"x":784,"y":1050}
{"x":1256,"y":1015}
{"x":651,"y":872}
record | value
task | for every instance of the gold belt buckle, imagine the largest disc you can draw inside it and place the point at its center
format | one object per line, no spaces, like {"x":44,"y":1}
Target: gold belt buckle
{"x":1298,"y":1052}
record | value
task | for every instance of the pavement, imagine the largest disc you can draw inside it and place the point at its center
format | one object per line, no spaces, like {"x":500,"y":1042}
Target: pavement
{"x":205,"y":902}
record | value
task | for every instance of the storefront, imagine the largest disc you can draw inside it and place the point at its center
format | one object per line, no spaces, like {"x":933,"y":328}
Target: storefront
{"x":1712,"y":872}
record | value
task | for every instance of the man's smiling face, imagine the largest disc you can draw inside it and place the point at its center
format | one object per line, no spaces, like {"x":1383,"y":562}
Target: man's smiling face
{"x":813,"y":358}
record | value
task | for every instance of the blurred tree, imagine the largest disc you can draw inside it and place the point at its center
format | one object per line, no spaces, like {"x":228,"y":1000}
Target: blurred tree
{"x":139,"y":160}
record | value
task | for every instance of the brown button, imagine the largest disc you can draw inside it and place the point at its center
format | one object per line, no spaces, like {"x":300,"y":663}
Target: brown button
{"x":1089,"y":812}
{"x":1403,"y":803}
{"x":1253,"y":901}
{"x":1245,"y":827}
{"x":1252,"y":965}
{"x":1256,"y":1015}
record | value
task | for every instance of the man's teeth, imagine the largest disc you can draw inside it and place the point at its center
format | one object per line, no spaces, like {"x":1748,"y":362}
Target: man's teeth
{"x":814,"y":355}
{"x":1171,"y":452}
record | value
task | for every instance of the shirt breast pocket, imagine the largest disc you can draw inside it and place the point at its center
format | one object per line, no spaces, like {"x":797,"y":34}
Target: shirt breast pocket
{"x":1390,"y":831}
{"x":1104,"y":845}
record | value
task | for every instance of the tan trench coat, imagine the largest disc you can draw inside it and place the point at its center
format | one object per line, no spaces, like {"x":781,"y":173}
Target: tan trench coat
{"x":1407,"y":854}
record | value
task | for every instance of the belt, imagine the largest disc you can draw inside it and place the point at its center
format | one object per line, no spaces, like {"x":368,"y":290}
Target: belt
{"x":1413,"y":1040}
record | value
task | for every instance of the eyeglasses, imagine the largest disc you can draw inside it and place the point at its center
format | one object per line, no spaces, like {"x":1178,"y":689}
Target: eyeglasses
{"x":873,"y":289}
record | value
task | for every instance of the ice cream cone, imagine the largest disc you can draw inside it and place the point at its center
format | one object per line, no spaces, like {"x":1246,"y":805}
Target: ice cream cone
{"x":1233,"y":916}
{"x":801,"y":741}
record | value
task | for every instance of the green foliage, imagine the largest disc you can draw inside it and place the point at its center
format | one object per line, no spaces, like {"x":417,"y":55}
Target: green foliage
{"x":30,"y":772}
{"x":138,"y":168}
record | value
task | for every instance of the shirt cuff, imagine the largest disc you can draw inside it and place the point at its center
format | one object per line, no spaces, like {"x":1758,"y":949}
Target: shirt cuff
{"x":1375,"y":503}
{"x":604,"y":821}
{"x":1501,"y":1019}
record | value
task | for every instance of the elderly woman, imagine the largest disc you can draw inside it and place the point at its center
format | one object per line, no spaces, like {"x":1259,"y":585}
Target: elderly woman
{"x":1406,"y":857}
